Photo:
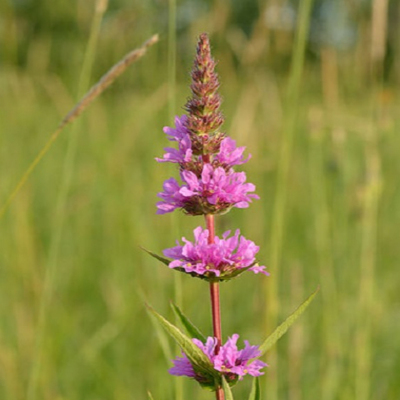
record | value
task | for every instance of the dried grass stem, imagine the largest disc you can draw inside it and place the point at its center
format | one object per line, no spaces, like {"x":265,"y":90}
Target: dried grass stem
{"x":105,"y":81}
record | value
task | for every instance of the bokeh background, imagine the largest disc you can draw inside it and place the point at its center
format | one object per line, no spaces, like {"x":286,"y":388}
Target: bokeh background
{"x":325,"y":159}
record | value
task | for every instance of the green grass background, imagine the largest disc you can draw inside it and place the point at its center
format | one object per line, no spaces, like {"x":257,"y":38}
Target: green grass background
{"x":78,"y":222}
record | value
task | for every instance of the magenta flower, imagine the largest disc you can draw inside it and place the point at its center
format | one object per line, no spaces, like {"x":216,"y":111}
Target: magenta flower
{"x":181,"y":155}
{"x":214,"y":192}
{"x":221,"y":259}
{"x":227,"y":156}
{"x":181,"y":135}
{"x":230,"y":155}
{"x":231,"y":362}
{"x":172,"y":197}
{"x":180,"y":131}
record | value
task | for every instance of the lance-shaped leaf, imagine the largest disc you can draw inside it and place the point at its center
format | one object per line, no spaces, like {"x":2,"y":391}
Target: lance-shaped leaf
{"x":162,"y":339}
{"x":235,"y":273}
{"x":282,"y":328}
{"x":191,"y":329}
{"x":227,"y":389}
{"x":197,"y":358}
{"x":255,"y":390}
{"x":161,"y":334}
{"x":157,"y":257}
{"x":166,"y":261}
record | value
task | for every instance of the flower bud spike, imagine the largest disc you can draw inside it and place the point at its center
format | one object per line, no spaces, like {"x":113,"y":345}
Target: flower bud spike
{"x":204,"y":118}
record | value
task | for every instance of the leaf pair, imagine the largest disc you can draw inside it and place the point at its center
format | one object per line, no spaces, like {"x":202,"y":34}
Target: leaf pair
{"x":208,"y":276}
{"x":202,"y":364}
{"x":194,"y":332}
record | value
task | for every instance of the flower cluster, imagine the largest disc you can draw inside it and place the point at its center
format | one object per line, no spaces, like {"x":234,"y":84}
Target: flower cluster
{"x":206,"y":157}
{"x":231,"y":362}
{"x":220,"y":259}
{"x":215,"y":191}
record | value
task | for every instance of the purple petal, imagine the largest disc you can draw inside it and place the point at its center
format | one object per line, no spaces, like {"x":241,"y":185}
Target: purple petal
{"x":182,"y":367}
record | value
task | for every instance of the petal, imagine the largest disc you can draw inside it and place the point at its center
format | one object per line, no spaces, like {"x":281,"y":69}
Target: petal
{"x":191,"y":179}
{"x":185,"y":191}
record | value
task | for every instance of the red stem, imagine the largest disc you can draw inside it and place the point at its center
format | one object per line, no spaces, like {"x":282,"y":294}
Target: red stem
{"x":215,"y":302}
{"x":216,"y":313}
{"x":211,"y":228}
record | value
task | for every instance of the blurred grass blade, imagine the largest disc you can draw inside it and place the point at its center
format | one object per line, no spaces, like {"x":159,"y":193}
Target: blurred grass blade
{"x":227,"y":389}
{"x":282,"y":328}
{"x":105,"y":81}
{"x":150,"y":395}
{"x":191,"y":329}
{"x":255,"y":390}
{"x":157,"y":257}
{"x":197,"y":358}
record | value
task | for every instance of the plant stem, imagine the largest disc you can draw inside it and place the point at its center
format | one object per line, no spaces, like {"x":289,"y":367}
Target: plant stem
{"x":215,"y":302}
{"x":171,"y":106}
{"x":211,"y":227}
{"x":216,"y":313}
{"x":214,"y":288}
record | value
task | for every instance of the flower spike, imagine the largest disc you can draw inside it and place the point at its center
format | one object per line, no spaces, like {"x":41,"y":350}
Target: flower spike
{"x":203,"y":108}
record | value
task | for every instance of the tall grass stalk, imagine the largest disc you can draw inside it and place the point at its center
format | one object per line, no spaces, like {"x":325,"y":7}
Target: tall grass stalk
{"x":105,"y":81}
{"x":330,"y":368}
{"x":66,"y":179}
{"x":278,"y":222}
{"x":370,"y":205}
{"x":172,"y":57}
{"x":367,"y":267}
{"x":178,"y":292}
{"x":296,"y":339}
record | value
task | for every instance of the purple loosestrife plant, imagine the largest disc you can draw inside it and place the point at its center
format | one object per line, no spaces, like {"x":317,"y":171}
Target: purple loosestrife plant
{"x":210,"y":186}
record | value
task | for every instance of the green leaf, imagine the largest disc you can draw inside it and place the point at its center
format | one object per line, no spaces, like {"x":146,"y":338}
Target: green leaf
{"x":197,"y":358}
{"x":161,"y":335}
{"x":227,"y":389}
{"x":191,"y":329}
{"x":255,"y":390}
{"x":156,"y":256}
{"x":233,"y":274}
{"x":282,"y":328}
{"x":163,"y":340}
